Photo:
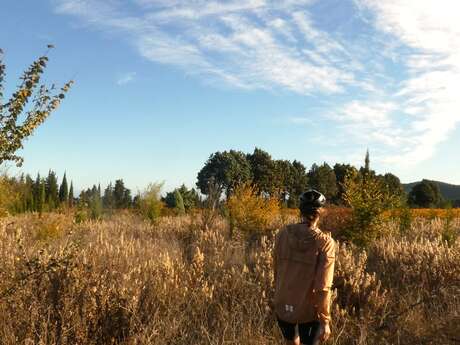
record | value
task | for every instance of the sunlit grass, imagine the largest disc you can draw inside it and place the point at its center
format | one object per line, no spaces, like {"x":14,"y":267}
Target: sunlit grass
{"x":124,"y":280}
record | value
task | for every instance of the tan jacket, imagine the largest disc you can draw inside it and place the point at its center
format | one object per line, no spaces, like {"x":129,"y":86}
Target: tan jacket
{"x":304,"y":268}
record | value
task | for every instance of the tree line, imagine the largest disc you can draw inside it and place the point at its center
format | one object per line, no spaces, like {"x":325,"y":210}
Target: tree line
{"x":223,"y":172}
{"x":47,"y":194}
{"x":41,"y":193}
{"x":283,"y":179}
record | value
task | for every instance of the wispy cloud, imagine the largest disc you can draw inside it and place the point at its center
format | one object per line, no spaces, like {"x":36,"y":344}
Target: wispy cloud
{"x":301,"y":120}
{"x":251,"y":44}
{"x":424,"y":37}
{"x":394,"y":82}
{"x":126,"y":78}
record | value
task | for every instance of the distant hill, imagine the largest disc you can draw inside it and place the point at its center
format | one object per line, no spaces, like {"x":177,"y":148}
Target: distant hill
{"x":448,"y":191}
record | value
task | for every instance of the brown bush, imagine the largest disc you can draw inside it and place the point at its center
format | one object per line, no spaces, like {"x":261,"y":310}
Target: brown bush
{"x":336,"y":220}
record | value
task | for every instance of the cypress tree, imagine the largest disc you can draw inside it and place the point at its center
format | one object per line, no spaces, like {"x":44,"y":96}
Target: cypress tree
{"x":64,"y":190}
{"x":29,"y":195}
{"x":179,"y":201}
{"x":366,"y":172}
{"x":367,"y":164}
{"x":36,"y":192}
{"x":71,"y":198}
{"x":41,"y":197}
{"x":52,"y":190}
{"x":93,"y":191}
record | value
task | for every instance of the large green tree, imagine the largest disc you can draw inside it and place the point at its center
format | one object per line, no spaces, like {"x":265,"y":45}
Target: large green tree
{"x":18,"y":120}
{"x":294,"y":181}
{"x":264,"y":171}
{"x":226,"y":169}
{"x":393,"y":183}
{"x":121,"y":195}
{"x":322,"y":178}
{"x":283,"y":179}
{"x":342,"y":171}
{"x":425,"y":194}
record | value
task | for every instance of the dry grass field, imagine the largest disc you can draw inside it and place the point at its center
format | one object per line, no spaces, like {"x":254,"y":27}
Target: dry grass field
{"x":125,"y":281}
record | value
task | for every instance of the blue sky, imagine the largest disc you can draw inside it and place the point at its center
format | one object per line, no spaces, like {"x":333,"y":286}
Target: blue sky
{"x":161,"y":84}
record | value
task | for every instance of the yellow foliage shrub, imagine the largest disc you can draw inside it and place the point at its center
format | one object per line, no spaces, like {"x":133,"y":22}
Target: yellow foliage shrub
{"x":426,"y":213}
{"x":50,"y":227}
{"x":251,"y":212}
{"x":8,"y":196}
{"x":48,"y":231}
{"x":432,"y":213}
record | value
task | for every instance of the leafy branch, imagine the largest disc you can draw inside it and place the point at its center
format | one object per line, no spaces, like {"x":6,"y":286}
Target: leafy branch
{"x":14,"y":128}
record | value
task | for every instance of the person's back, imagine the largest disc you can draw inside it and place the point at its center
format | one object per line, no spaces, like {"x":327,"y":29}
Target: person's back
{"x":304,"y":263}
{"x":303,"y":258}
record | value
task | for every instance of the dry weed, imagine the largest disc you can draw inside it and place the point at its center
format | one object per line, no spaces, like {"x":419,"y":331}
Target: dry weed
{"x":125,"y":280}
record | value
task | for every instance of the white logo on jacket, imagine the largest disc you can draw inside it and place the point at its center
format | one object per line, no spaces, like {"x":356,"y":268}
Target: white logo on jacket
{"x":289,"y":308}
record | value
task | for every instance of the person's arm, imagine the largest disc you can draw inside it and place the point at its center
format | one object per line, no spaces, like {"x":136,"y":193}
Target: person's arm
{"x":323,"y":284}
{"x":275,"y":259}
{"x":275,"y":270}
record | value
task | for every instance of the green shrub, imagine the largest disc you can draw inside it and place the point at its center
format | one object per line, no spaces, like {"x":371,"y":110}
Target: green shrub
{"x":175,"y":202}
{"x":95,"y":207}
{"x":150,"y":204}
{"x":82,"y":213}
{"x":368,"y":198}
{"x":180,"y":208}
{"x":405,"y":219}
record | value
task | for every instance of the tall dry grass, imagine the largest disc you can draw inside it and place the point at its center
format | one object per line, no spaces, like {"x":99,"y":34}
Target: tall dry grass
{"x":127,"y":281}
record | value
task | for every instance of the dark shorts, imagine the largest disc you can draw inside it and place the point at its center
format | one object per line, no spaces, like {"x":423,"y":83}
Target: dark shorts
{"x":307,"y":331}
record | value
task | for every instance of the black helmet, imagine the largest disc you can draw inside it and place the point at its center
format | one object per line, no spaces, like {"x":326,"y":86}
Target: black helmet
{"x":312,"y":199}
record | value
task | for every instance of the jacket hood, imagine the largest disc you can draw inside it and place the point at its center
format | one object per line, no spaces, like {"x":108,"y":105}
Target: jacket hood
{"x":300,"y":237}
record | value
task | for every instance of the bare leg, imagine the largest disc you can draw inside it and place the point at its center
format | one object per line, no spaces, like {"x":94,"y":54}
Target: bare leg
{"x":296,"y":341}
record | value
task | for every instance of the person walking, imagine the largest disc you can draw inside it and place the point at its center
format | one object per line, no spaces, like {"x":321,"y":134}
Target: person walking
{"x":304,"y":258}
